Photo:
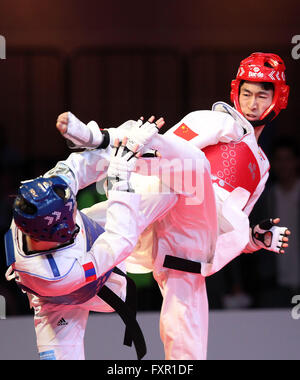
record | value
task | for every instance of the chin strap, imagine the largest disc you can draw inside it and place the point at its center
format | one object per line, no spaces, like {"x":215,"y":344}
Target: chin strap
{"x":264,"y":121}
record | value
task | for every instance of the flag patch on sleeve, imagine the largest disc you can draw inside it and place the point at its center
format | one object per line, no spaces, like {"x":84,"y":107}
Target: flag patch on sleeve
{"x":185,"y":132}
{"x":89,"y":272}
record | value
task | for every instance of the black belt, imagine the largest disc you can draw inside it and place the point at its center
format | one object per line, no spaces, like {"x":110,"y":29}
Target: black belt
{"x":183,"y":265}
{"x":127,"y":312}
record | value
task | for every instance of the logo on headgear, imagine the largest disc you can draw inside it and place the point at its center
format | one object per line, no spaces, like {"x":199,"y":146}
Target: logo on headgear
{"x":2,"y":47}
{"x":255,"y":73}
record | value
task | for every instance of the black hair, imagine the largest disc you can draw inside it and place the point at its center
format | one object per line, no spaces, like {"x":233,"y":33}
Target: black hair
{"x":266,"y":85}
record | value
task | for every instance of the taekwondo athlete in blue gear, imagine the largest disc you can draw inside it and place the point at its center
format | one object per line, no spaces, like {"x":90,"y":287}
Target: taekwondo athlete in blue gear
{"x":68,"y":264}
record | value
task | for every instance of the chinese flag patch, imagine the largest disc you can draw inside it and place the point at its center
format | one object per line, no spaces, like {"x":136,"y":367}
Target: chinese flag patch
{"x":185,"y":132}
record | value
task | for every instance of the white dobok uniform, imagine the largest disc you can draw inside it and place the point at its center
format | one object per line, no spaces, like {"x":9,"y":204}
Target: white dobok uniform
{"x":239,"y":171}
{"x":213,"y":232}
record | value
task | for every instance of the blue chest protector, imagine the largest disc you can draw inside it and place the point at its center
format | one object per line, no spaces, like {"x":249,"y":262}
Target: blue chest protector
{"x":81,"y":295}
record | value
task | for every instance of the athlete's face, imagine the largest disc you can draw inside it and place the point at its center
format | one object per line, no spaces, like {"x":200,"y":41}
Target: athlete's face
{"x":254,"y":100}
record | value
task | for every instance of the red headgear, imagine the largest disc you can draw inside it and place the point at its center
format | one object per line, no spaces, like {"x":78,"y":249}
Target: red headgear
{"x":263,"y":67}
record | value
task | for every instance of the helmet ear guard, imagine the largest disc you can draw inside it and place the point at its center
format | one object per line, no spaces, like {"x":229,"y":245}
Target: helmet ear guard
{"x":44,"y":209}
{"x":262,"y":67}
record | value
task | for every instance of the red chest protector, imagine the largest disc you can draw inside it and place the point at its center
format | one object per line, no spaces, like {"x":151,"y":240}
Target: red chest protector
{"x":233,"y":165}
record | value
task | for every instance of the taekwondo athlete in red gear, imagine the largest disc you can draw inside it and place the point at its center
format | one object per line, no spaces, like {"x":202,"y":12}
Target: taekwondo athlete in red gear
{"x":66,"y":262}
{"x":185,"y":238}
{"x":239,"y":171}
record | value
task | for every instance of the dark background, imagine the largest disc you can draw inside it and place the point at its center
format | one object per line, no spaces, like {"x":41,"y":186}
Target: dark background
{"x":116,"y":60}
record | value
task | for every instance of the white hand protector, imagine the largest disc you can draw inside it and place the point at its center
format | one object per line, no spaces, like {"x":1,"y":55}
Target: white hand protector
{"x":266,"y":235}
{"x":141,"y":134}
{"x":122,"y":164}
{"x":120,"y":132}
{"x":80,"y":135}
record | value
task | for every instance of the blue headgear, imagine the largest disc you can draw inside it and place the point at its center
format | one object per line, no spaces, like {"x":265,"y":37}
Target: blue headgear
{"x":44,"y":212}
